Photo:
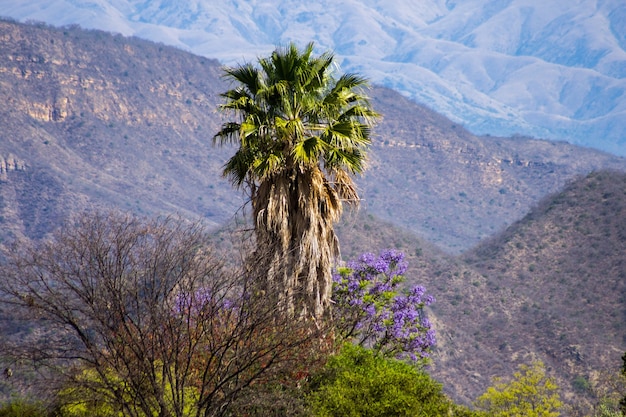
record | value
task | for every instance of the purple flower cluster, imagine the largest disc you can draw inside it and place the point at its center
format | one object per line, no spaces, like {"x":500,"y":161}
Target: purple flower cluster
{"x":202,"y":304}
{"x":371,"y":310}
{"x":194,"y":303}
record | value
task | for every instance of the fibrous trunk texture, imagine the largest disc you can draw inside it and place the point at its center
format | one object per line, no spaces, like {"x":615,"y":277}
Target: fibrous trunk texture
{"x":294,"y":213}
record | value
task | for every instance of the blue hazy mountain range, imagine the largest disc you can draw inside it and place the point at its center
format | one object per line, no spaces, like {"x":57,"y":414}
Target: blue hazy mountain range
{"x":551,"y":69}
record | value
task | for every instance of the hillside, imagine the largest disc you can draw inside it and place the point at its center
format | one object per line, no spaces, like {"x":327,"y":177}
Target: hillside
{"x":550,"y":287}
{"x":95,"y":120}
{"x":545,"y":69}
{"x":452,"y":188}
{"x":98,"y":119}
{"x":555,"y":281}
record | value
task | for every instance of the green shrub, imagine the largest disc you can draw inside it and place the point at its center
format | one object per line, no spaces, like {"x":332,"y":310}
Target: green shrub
{"x":358,"y":382}
{"x":531,"y":393}
{"x":22,"y":408}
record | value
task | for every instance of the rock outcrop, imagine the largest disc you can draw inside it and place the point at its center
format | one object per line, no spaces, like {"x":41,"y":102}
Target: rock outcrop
{"x":10,"y":163}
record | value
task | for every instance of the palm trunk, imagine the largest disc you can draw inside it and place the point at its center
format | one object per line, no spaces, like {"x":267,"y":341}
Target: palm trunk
{"x":296,"y":244}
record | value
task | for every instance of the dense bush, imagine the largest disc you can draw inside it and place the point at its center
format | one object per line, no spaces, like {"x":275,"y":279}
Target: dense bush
{"x":531,"y":393}
{"x":360,"y":382}
{"x":22,"y":408}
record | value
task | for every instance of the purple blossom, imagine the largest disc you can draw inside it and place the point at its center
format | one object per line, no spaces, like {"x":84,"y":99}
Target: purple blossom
{"x":367,"y":258}
{"x":371,"y":309}
{"x":202,"y":303}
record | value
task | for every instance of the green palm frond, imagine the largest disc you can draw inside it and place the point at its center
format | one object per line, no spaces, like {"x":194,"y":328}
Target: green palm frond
{"x":346,"y":135}
{"x":263,"y":168}
{"x":308,"y":150}
{"x":246,"y":75}
{"x":359,"y":111}
{"x":237,"y":167}
{"x":229,"y":133}
{"x":292,"y":111}
{"x":351,"y":160}
{"x":349,"y":82}
{"x":247,"y":129}
{"x":240,"y":101}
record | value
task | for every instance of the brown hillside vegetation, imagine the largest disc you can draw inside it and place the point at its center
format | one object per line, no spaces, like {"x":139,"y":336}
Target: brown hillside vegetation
{"x":109,"y":121}
{"x":556,"y":280}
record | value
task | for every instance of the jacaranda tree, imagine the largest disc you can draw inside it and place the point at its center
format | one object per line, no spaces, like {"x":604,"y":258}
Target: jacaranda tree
{"x":370,"y":309}
{"x":302,"y":133}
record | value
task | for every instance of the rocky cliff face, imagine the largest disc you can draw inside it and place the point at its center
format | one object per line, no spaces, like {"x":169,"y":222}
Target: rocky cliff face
{"x":10,"y":163}
{"x":116,"y":122}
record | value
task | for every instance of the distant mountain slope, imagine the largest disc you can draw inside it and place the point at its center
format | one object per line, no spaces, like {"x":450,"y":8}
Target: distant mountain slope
{"x":551,"y":287}
{"x":119,"y":122}
{"x":557,"y":280}
{"x":553,"y":69}
{"x":107,"y":121}
{"x":433,"y":177}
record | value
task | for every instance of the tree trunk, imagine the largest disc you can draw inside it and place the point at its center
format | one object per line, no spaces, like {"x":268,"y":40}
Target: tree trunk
{"x":294,"y":214}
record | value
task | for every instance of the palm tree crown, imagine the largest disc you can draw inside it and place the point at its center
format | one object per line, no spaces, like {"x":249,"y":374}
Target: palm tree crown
{"x":301,"y":135}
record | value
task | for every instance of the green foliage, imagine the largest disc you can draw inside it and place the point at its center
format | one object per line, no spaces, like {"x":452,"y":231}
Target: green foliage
{"x":622,"y":403}
{"x":94,"y":395}
{"x":608,"y":388}
{"x":22,"y":408}
{"x":359,"y":382}
{"x":581,"y":384}
{"x":606,"y":410}
{"x":531,"y":393}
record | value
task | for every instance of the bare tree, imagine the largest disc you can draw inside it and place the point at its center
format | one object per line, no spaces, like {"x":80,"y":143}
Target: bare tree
{"x":139,"y":317}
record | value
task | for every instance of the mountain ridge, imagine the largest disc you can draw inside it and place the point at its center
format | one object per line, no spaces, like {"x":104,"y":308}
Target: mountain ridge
{"x":101,"y":111}
{"x":526,"y":67}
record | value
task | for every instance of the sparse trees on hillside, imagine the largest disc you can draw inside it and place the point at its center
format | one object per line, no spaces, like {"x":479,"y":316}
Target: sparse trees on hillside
{"x":139,"y":318}
{"x":301,"y":134}
{"x":609,"y":390}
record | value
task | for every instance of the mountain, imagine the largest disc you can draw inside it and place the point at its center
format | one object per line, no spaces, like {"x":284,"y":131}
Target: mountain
{"x":95,"y":120}
{"x":551,"y":287}
{"x":554,"y":70}
{"x":92,"y":118}
{"x":555,"y":283}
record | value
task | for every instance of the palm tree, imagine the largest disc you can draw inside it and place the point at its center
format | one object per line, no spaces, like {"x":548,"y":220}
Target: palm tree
{"x":301,"y":134}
